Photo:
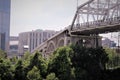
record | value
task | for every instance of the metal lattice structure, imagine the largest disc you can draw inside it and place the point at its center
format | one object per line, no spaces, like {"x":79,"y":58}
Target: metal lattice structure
{"x":96,"y":14}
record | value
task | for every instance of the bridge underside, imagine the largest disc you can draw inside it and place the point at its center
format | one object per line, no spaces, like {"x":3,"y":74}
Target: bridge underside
{"x":98,"y":30}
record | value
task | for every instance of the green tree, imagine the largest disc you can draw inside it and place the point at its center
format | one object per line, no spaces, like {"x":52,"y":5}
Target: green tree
{"x":27,"y":58}
{"x":3,"y":54}
{"x":19,"y":71}
{"x":114,"y":58}
{"x":61,"y":63}
{"x":40,"y":63}
{"x":88,"y":62}
{"x":5,"y":70}
{"x":14,"y":60}
{"x":51,"y":76}
{"x":34,"y":74}
{"x":111,"y":53}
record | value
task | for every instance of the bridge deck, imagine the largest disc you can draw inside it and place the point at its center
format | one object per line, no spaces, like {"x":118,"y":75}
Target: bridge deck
{"x":97,"y":30}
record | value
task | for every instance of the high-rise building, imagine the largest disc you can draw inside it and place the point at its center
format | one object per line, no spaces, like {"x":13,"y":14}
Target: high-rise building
{"x":30,"y":40}
{"x":4,"y":24}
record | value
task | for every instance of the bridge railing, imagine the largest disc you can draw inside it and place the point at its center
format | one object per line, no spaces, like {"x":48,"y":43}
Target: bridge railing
{"x":97,"y":24}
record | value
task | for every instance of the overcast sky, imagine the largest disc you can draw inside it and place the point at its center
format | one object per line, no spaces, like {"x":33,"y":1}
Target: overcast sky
{"x":28,"y":15}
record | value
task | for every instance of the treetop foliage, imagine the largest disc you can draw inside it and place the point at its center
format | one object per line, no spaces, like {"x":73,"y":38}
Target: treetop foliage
{"x":66,"y":63}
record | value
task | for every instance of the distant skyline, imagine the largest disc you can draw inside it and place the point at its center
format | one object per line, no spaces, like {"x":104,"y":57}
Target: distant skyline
{"x":27,"y":15}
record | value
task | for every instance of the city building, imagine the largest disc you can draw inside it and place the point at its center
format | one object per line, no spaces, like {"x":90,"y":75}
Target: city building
{"x":4,"y":24}
{"x":13,"y":47}
{"x":108,"y":43}
{"x":30,"y":40}
{"x":23,"y":42}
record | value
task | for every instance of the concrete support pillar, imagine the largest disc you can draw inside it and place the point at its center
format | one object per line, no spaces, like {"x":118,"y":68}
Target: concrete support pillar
{"x":97,"y":40}
{"x":65,"y":41}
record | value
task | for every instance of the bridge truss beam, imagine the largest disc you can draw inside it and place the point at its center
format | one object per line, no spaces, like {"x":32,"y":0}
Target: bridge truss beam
{"x":96,"y":12}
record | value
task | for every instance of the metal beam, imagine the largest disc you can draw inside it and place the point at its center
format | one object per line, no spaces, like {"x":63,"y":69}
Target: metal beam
{"x":85,"y":4}
{"x":93,"y":13}
{"x":79,"y":7}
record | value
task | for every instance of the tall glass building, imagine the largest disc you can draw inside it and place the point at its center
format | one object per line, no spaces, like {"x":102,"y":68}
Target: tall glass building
{"x":4,"y":24}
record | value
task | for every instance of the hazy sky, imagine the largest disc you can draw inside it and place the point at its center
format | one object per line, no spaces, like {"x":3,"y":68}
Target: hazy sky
{"x":28,"y":15}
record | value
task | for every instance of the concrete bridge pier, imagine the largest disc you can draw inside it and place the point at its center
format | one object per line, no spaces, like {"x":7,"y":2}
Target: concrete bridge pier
{"x":87,"y":41}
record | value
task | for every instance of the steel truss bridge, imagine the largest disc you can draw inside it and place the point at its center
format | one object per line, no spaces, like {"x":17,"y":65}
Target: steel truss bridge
{"x":96,"y":16}
{"x":91,"y":18}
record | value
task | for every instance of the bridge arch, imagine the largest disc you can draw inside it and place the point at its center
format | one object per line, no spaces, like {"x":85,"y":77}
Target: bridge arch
{"x":61,"y":42}
{"x":51,"y":47}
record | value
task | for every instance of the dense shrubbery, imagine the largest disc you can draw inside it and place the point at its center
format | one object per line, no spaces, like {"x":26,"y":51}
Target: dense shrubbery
{"x":66,"y":63}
